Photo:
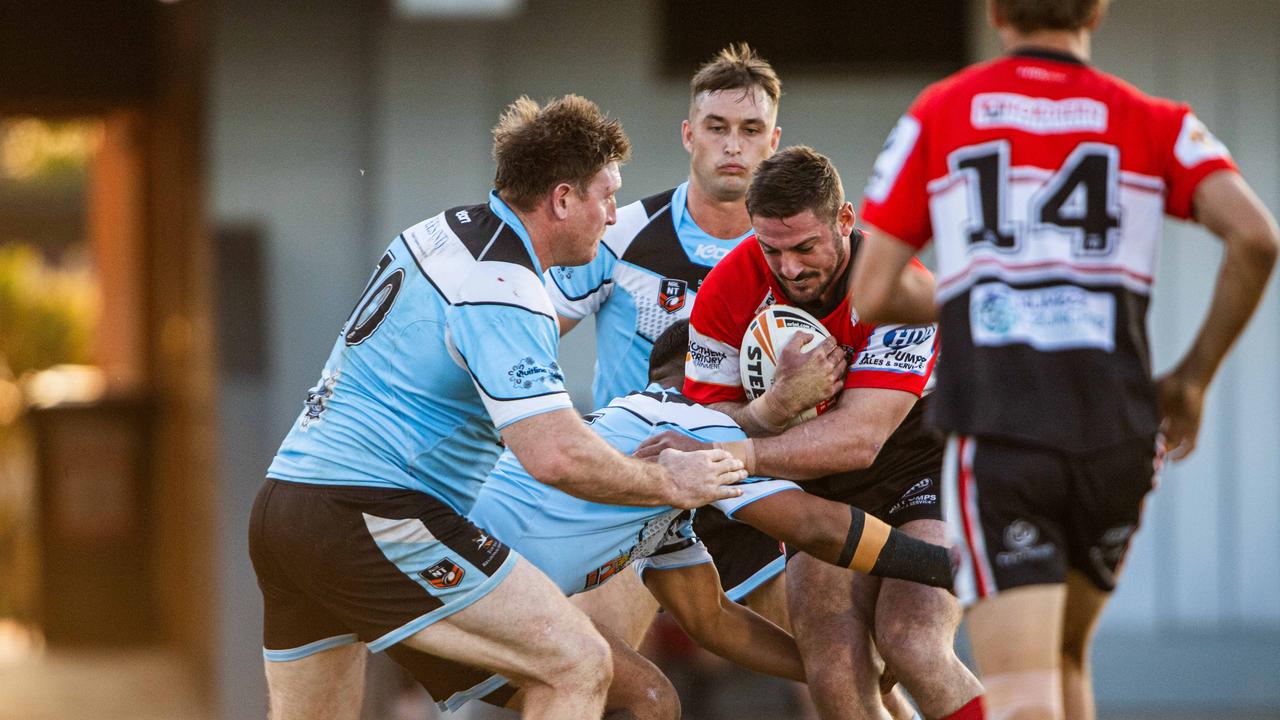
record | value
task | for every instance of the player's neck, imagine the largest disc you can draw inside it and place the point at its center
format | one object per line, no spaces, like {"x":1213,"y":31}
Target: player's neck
{"x":724,"y":219}
{"x":541,"y":236}
{"x":1069,"y":42}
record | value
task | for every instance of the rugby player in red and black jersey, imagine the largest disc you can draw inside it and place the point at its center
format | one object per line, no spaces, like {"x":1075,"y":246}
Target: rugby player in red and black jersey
{"x":868,"y":449}
{"x":1043,"y":183}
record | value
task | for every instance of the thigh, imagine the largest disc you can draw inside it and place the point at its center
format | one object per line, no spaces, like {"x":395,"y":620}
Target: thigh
{"x":745,"y":557}
{"x":523,"y":629}
{"x":1005,"y":507}
{"x":623,"y":605}
{"x":380,"y":564}
{"x":1108,"y":489}
{"x":328,"y":684}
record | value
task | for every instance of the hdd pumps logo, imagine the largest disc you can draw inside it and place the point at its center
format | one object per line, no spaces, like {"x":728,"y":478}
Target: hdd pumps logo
{"x":444,"y":575}
{"x":671,"y":294}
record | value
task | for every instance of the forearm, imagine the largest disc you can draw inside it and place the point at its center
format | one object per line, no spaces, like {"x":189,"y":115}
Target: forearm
{"x":556,"y":448}
{"x":760,"y":417}
{"x":747,"y":639}
{"x":814,"y":449}
{"x":1242,"y":278}
{"x":594,"y":471}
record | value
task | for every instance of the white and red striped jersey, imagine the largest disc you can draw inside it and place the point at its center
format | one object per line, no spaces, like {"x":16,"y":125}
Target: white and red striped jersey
{"x":897,"y":357}
{"x":1043,"y":183}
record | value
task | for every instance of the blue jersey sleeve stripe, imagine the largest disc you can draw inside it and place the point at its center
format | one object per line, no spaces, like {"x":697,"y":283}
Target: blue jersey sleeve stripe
{"x":510,"y":305}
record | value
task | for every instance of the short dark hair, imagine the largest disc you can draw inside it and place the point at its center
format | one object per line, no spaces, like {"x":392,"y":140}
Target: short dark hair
{"x":1027,"y":16}
{"x":736,"y":67}
{"x":792,"y":181}
{"x":671,"y":346}
{"x":537,"y":148}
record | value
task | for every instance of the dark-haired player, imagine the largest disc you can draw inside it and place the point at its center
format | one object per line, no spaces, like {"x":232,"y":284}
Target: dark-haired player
{"x":870,"y":450}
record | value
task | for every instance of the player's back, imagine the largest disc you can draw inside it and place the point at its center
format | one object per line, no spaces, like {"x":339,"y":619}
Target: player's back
{"x":409,"y":396}
{"x":1043,"y":183}
{"x":580,"y":544}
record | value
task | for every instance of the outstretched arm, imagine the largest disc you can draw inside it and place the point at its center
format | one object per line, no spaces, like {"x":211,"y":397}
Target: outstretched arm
{"x":848,"y":537}
{"x":559,"y":450}
{"x":693,"y":597}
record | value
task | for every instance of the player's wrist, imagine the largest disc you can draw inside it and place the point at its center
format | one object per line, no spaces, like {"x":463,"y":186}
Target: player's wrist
{"x":769,"y":412}
{"x":743,"y":450}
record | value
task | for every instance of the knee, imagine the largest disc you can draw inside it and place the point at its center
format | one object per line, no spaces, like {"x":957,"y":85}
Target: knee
{"x":584,"y":666}
{"x":909,"y":645}
{"x":657,"y":700}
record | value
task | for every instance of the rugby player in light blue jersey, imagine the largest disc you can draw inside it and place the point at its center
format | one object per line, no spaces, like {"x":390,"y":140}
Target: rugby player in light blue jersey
{"x":581,"y":544}
{"x":647,"y":275}
{"x":358,"y":534}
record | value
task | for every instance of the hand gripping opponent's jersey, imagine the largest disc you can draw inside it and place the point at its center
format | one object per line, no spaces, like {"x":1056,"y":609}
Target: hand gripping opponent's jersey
{"x":453,"y":338}
{"x":890,"y":356}
{"x":645,"y":277}
{"x":1043,"y":183}
{"x":580,"y":544}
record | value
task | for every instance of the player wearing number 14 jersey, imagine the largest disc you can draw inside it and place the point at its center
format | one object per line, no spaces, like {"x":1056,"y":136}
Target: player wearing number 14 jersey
{"x":1043,"y":184}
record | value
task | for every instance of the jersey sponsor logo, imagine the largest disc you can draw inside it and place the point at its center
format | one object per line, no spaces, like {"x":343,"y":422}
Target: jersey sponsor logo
{"x":915,"y":496}
{"x":1196,"y":144}
{"x":1033,"y":72}
{"x":897,"y":348}
{"x":444,"y":575}
{"x":462,"y":216}
{"x":1061,"y":317}
{"x":908,"y":335}
{"x":1042,"y":116}
{"x":704,"y":357}
{"x":318,"y":398}
{"x":671,"y":294}
{"x":710,"y":251}
{"x":527,"y":372}
{"x":897,"y":147}
{"x":1020,"y":541}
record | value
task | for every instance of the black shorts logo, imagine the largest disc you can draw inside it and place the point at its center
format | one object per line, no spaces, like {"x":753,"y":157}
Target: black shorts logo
{"x":671,"y":294}
{"x":444,"y":575}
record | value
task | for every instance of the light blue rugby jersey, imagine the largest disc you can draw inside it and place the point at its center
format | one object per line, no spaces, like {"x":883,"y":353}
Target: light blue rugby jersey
{"x":453,"y":338}
{"x":644,"y":278}
{"x":580,"y":544}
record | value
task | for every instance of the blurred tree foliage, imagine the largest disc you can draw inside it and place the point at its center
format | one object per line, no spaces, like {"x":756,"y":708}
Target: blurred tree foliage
{"x":47,"y":314}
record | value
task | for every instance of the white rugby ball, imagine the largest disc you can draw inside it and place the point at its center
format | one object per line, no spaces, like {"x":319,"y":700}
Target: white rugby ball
{"x":762,"y":346}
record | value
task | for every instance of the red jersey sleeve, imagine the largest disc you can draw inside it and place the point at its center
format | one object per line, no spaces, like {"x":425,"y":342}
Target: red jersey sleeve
{"x":895,"y":357}
{"x":896,"y":198}
{"x":716,"y":326}
{"x":1191,"y":153}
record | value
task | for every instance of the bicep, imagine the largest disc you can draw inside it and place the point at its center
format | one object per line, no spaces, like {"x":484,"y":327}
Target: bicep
{"x":1225,"y":204}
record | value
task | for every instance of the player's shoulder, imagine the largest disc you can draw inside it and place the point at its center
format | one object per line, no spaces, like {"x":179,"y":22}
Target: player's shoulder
{"x":634,"y":217}
{"x":473,"y":256}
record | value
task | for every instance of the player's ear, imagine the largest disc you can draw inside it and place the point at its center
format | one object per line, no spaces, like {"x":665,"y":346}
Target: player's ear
{"x":560,"y":200}
{"x":777,"y":135}
{"x":686,"y":134}
{"x":845,"y":218}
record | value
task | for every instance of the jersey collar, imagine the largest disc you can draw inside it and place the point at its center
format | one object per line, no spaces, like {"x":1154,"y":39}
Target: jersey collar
{"x":508,"y":216}
{"x":1046,"y":54}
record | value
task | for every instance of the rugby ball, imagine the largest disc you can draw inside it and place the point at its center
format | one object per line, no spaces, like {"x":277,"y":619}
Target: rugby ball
{"x":766,"y":336}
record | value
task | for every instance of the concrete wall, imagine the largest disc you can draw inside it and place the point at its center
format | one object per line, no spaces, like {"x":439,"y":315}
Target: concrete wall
{"x":304,"y":101}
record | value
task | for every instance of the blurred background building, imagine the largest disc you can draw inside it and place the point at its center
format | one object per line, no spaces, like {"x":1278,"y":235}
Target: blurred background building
{"x":192,"y":193}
